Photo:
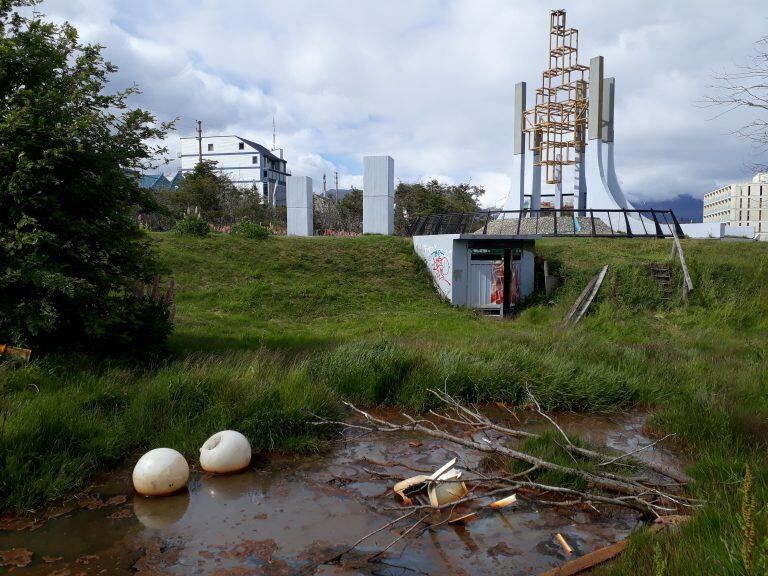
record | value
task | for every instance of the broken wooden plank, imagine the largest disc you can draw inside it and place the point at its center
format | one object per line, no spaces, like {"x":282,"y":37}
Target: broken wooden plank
{"x":592,"y":559}
{"x":588,"y":560}
{"x":686,"y":275}
{"x":579,"y":300}
{"x":595,"y":288}
{"x":583,"y":302}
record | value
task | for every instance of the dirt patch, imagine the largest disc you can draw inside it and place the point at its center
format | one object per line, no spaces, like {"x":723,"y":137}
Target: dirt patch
{"x":18,"y":557}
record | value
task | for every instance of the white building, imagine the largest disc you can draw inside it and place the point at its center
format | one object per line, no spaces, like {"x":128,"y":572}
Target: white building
{"x":740,"y":205}
{"x":245,"y":162}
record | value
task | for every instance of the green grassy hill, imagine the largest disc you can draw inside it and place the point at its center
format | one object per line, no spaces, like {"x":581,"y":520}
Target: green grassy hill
{"x":269,"y":331}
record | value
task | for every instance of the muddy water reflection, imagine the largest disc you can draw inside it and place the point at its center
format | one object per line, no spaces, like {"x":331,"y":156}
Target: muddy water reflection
{"x":288,"y":515}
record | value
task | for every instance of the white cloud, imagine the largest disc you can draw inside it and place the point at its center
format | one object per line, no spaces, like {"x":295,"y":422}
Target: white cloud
{"x":431,"y":82}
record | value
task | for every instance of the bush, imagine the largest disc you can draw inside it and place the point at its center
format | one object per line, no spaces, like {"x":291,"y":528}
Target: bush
{"x":71,"y":251}
{"x":251,"y":230}
{"x":192,"y":225}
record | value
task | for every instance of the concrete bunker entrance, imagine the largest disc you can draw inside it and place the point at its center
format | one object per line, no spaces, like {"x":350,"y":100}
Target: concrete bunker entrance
{"x":494,"y":272}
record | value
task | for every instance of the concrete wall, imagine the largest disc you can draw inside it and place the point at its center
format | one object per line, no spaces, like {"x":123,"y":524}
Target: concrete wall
{"x":378,"y":195}
{"x":437,"y":252}
{"x":299,"y":203}
{"x":717,"y":230}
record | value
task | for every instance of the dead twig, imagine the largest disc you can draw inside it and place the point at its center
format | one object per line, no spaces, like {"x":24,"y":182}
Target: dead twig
{"x":620,"y":456}
{"x":628,"y":492}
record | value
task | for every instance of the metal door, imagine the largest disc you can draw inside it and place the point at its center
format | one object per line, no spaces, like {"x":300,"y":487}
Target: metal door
{"x":482,"y":280}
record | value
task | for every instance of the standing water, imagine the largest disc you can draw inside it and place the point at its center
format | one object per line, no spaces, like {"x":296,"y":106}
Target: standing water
{"x":292,"y":515}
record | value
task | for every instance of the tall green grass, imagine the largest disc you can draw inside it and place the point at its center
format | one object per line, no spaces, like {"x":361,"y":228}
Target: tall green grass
{"x":60,"y":425}
{"x":271,"y":331}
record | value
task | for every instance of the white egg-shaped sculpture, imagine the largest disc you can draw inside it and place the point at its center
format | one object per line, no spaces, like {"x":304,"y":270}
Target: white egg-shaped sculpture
{"x":159,"y":472}
{"x":224,"y":452}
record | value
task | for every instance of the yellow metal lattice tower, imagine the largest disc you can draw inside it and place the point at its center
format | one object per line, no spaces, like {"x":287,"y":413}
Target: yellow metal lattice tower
{"x":557,"y":123}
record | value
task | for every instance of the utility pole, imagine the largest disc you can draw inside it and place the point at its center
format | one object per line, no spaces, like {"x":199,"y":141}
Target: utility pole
{"x":274,"y":134}
{"x":325,"y":189}
{"x":337,"y":186}
{"x":199,"y":142}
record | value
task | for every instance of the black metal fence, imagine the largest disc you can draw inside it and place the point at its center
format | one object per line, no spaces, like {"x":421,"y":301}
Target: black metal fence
{"x":609,"y":223}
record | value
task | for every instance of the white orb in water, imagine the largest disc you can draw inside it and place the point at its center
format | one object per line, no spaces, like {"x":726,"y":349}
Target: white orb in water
{"x":224,"y":452}
{"x":159,"y":472}
{"x":159,"y":513}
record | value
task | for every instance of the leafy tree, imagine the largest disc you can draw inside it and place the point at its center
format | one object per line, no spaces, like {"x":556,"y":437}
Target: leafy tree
{"x":343,"y":215}
{"x":201,"y":189}
{"x":351,"y":208}
{"x":422,"y":198}
{"x":71,"y":252}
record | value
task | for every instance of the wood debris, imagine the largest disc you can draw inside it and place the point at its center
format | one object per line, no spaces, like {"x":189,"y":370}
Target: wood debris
{"x":504,"y":502}
{"x":564,"y":543}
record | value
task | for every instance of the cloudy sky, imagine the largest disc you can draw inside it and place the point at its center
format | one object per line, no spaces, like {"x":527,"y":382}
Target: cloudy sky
{"x":430,"y":82}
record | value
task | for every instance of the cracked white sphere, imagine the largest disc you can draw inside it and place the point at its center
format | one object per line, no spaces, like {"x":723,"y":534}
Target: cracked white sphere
{"x":159,"y":472}
{"x":225,"y":452}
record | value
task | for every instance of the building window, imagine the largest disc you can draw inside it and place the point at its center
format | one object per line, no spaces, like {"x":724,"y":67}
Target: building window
{"x":210,"y":147}
{"x":241,"y":146}
{"x":255,"y":160}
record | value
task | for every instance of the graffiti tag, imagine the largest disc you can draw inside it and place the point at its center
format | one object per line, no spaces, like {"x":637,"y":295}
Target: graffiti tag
{"x":441,"y":266}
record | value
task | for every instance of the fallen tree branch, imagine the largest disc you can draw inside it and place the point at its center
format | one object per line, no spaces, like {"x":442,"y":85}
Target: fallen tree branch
{"x":475,"y":418}
{"x":644,"y":498}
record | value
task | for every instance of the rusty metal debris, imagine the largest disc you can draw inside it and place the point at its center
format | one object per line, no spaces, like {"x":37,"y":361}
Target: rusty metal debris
{"x":16,"y":353}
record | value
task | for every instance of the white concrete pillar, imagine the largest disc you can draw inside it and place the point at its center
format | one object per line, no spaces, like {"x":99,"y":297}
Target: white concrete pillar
{"x":536,"y":173}
{"x":516,"y":198}
{"x":378,"y":195}
{"x":299,"y":202}
{"x":598,"y":194}
{"x":595,"y":119}
{"x":609,"y":95}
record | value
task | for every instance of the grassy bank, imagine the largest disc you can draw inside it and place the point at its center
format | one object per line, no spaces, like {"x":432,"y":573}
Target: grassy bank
{"x":270,"y":331}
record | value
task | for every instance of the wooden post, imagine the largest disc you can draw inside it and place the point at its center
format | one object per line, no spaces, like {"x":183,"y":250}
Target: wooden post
{"x":686,"y":275}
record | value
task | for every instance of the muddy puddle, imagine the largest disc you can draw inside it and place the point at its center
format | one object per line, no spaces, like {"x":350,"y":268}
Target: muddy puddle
{"x":290,"y":515}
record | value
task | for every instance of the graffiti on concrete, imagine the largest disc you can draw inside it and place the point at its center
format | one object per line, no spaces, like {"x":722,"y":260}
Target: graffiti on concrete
{"x":441,"y":266}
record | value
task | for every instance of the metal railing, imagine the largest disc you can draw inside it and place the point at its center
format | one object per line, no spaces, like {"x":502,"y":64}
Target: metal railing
{"x":608,"y":223}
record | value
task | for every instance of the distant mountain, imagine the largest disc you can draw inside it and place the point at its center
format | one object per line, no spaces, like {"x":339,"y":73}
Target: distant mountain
{"x":686,"y":207}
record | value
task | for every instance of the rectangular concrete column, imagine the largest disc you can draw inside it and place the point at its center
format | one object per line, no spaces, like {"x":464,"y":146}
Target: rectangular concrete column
{"x":299,"y":201}
{"x":536,"y":174}
{"x":518,"y":164}
{"x":580,"y":184}
{"x":378,"y":195}
{"x":595,"y":121}
{"x":609,"y":90}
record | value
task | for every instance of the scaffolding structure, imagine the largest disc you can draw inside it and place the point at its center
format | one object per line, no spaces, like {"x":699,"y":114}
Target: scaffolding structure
{"x":557,"y":123}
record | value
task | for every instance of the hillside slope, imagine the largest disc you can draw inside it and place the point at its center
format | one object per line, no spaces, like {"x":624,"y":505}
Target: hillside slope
{"x":269,"y":332}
